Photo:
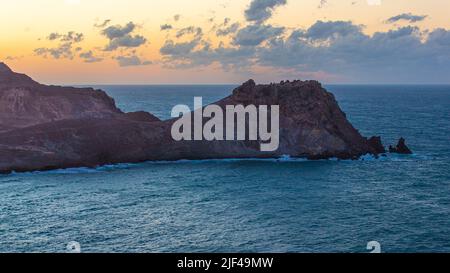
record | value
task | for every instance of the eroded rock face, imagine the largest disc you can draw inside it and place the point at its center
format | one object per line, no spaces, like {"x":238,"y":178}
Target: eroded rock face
{"x":46,"y":127}
{"x":24,"y":102}
{"x":311,"y":123}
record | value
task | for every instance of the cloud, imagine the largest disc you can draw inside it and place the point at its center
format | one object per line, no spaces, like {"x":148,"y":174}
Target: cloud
{"x":254,"y":35}
{"x":121,"y":36}
{"x":261,"y":10}
{"x":126,"y":41}
{"x":336,"y":49}
{"x":186,"y":56}
{"x":132,"y":60}
{"x":60,"y":52}
{"x":189,"y":30}
{"x":398,"y":55}
{"x":89,"y":57}
{"x":197,"y":52}
{"x":13,"y":58}
{"x":407,"y":17}
{"x":166,"y":27}
{"x":118,"y":31}
{"x":178,"y":49}
{"x":104,"y":24}
{"x":228,"y":30}
{"x":439,"y":38}
{"x":53,"y":36}
{"x":327,"y":30}
{"x":232,"y":59}
{"x":70,"y":36}
{"x":65,"y":47}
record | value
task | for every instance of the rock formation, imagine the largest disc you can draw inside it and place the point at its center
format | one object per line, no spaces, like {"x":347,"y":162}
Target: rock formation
{"x":400,"y":148}
{"x":49,"y":127}
{"x":377,"y":145}
{"x":24,"y":102}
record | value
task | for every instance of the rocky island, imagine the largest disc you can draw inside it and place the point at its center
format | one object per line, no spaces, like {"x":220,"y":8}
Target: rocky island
{"x":51,"y":127}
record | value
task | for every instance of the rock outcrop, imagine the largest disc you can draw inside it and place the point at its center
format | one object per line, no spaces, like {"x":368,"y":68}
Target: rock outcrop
{"x":400,"y":148}
{"x":49,"y":127}
{"x":24,"y":102}
{"x":377,"y":145}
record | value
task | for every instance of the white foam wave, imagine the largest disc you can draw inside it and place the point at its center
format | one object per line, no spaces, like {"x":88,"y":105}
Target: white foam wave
{"x":282,"y":159}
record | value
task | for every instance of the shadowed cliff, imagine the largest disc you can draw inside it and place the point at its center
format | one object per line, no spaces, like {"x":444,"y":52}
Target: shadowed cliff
{"x":48,"y":127}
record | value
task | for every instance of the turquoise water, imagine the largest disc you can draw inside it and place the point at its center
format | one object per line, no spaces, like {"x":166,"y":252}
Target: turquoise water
{"x":283,"y":205}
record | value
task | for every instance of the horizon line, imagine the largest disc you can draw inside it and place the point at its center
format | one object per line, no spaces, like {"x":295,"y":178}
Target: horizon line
{"x":227,"y":84}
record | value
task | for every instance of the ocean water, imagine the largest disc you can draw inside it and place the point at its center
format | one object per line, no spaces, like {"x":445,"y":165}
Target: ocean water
{"x":283,"y":205}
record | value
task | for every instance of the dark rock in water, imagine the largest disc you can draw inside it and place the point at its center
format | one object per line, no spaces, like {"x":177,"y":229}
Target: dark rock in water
{"x":49,"y":127}
{"x":401,"y":148}
{"x":377,"y":145}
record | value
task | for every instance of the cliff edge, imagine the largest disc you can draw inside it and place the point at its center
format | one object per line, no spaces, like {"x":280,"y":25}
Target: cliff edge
{"x":49,"y":127}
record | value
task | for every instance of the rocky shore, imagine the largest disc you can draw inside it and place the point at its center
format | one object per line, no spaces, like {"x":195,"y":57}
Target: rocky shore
{"x":50,"y":127}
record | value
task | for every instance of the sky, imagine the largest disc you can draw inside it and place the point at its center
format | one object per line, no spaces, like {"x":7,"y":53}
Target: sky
{"x":226,"y":41}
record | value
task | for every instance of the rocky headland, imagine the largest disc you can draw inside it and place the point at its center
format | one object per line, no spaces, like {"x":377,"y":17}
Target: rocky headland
{"x":51,"y":127}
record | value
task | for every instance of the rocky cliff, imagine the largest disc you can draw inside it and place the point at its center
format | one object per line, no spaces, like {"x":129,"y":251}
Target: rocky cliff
{"x":48,"y":127}
{"x":24,"y":102}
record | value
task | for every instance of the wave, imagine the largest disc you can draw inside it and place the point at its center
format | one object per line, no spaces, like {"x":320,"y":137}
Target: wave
{"x":282,"y":159}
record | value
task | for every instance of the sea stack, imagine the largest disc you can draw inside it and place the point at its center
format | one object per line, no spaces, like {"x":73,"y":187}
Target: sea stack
{"x":50,"y":127}
{"x":400,"y":148}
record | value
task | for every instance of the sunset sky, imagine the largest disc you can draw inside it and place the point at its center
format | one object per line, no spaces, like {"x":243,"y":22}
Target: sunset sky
{"x":226,"y":41}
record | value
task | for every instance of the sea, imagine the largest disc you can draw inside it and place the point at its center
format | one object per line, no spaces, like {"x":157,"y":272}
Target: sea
{"x":272,"y":205}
